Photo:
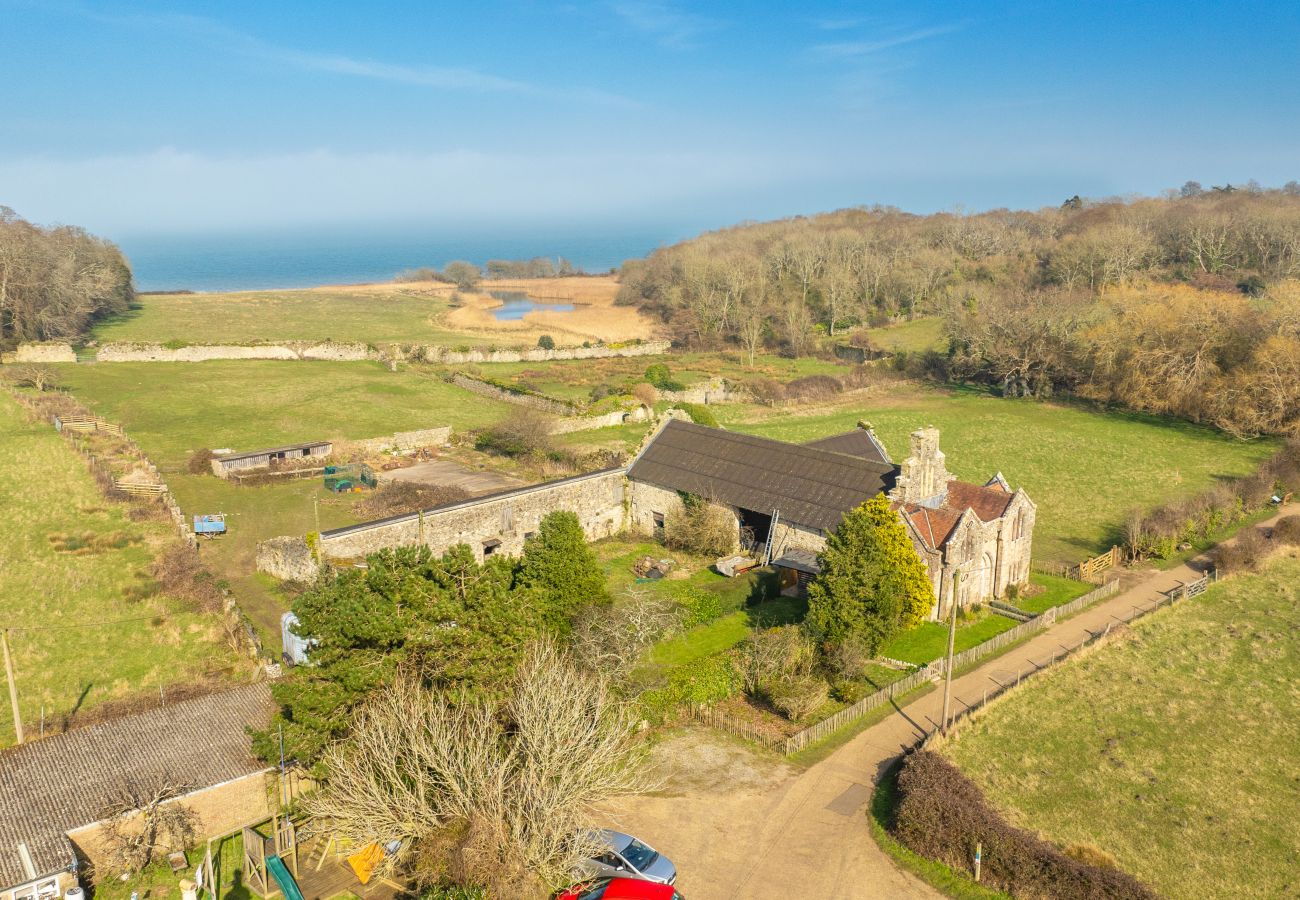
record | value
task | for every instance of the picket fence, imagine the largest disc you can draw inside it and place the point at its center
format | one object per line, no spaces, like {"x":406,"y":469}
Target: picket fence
{"x":931,"y":672}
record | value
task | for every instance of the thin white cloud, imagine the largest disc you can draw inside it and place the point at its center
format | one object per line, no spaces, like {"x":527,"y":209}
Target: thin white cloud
{"x":669,"y":26}
{"x":450,"y":78}
{"x":857,"y":49}
{"x":838,"y":24}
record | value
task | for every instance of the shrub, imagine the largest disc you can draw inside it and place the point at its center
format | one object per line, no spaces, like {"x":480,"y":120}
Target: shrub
{"x":1242,"y":554}
{"x":519,"y":434}
{"x":941,"y":814}
{"x":709,"y":680}
{"x":1287,"y":530}
{"x":766,"y":390}
{"x":700,"y":528}
{"x":850,"y":692}
{"x":700,"y":414}
{"x":698,"y":606}
{"x":796,"y":696}
{"x":850,"y":656}
{"x":659,"y":375}
{"x":180,"y":574}
{"x":393,"y":498}
{"x":814,"y":387}
{"x":200,"y":462}
{"x":775,"y":653}
{"x":645,"y":393}
{"x":546,"y":342}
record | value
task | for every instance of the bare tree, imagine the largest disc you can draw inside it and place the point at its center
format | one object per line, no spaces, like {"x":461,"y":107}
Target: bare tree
{"x":515,"y":782}
{"x":610,"y":640}
{"x":144,"y":820}
{"x":42,"y":378}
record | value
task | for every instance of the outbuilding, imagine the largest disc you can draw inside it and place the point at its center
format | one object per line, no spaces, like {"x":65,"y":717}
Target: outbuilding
{"x":225,"y":464}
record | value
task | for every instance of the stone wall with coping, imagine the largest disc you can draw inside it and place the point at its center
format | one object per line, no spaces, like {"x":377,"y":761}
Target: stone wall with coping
{"x":288,"y":350}
{"x":531,"y":401}
{"x":44,"y":352}
{"x":406,"y":440}
{"x":598,"y":499}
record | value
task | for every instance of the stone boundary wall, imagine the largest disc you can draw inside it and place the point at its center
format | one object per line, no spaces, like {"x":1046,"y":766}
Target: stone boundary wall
{"x":571,"y":424}
{"x":532,"y":401}
{"x":596,"y":498}
{"x":406,"y":440}
{"x":45,"y":352}
{"x":290,"y":350}
{"x":438,"y":354}
{"x":710,"y":392}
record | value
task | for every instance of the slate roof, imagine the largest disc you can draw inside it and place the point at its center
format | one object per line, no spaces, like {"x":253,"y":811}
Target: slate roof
{"x":246,"y":454}
{"x":54,"y":785}
{"x":858,"y":442}
{"x":809,"y":486}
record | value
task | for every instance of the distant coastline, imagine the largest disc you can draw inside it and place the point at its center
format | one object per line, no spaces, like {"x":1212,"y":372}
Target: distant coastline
{"x":252,"y":261}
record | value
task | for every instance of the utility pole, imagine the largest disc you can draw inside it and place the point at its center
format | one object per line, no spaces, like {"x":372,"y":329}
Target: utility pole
{"x":13,"y":686}
{"x":952,"y":641}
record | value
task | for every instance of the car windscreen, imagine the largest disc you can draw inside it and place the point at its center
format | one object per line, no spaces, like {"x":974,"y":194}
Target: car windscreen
{"x":639,"y":855}
{"x":595,"y":890}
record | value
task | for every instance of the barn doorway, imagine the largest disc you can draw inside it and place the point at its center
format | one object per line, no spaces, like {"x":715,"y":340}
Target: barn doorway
{"x":755,"y":530}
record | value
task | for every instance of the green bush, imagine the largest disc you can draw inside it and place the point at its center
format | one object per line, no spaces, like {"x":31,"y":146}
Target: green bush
{"x":546,"y":342}
{"x":707,"y":681}
{"x":699,"y":607}
{"x":661,"y":377}
{"x":700,"y":414}
{"x":796,"y":696}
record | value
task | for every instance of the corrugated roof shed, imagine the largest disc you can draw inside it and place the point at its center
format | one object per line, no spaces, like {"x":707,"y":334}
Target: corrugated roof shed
{"x":67,"y":781}
{"x":809,"y":486}
{"x":248,"y":454}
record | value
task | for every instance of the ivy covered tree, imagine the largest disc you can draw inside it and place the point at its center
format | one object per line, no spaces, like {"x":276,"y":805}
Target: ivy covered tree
{"x":561,"y":572}
{"x":872,"y":583}
{"x":454,"y":623}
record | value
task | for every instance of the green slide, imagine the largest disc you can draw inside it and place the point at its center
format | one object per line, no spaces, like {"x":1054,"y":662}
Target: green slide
{"x":276,"y":867}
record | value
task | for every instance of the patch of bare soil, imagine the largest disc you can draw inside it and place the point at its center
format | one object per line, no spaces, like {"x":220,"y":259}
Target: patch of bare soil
{"x":697,"y":761}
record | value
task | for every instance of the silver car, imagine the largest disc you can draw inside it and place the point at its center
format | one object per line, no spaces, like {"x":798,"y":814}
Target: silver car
{"x":626,"y":857}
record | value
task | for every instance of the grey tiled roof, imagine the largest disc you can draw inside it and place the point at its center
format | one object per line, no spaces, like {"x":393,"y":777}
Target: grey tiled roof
{"x":858,"y":442}
{"x":808,"y":486}
{"x":51,"y":786}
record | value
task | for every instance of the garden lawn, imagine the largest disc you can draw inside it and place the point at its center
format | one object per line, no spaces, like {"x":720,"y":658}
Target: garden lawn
{"x":1172,"y":748}
{"x":172,"y":409}
{"x":1055,"y":591}
{"x":1085,"y":470}
{"x":395,"y":316}
{"x":48,"y":597}
{"x":928,"y":641}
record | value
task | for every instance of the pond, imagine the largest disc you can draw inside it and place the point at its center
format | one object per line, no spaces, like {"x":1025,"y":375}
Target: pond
{"x":516,"y":304}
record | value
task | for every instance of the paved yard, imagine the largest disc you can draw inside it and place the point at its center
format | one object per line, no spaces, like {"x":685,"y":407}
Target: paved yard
{"x":448,"y":472}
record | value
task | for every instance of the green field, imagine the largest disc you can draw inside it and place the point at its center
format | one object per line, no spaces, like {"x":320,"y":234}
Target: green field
{"x":49,"y":597}
{"x":925,"y":333}
{"x":1173,"y":749}
{"x":1085,"y":470}
{"x":172,"y":409}
{"x":250,"y":316}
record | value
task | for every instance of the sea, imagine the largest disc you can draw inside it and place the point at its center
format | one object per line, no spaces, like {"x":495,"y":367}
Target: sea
{"x":254,"y":260}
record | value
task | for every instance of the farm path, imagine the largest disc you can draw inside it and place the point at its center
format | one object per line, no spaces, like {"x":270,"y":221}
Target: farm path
{"x":807,"y":834}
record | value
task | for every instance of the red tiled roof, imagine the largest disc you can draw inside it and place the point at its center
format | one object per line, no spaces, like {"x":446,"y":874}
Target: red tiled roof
{"x":933,"y":524}
{"x":989,"y":503}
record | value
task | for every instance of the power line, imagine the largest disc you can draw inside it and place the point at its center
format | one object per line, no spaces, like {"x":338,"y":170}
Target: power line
{"x":83,"y":624}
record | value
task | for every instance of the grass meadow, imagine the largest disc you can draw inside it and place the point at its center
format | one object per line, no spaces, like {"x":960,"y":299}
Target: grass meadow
{"x":918,"y":335}
{"x":307,"y":315}
{"x":1086,"y":470}
{"x":1172,"y":748}
{"x":48,"y":596}
{"x":172,"y":409}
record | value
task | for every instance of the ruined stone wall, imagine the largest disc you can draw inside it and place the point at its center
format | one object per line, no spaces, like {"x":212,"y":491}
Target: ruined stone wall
{"x":288,"y":559}
{"x":713,"y":391}
{"x":438,"y":354}
{"x":290,"y":350}
{"x":570,"y":424}
{"x":45,"y":352}
{"x":532,"y":401}
{"x":597,"y":499}
{"x":406,"y":440}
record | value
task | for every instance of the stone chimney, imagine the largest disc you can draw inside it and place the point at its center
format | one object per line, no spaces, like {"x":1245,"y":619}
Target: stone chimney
{"x":923,"y":478}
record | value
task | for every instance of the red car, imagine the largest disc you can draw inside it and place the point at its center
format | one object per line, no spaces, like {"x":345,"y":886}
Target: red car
{"x":621,"y":889}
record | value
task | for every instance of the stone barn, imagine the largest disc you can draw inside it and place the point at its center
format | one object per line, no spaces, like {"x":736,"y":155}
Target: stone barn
{"x":226,"y":464}
{"x":785,"y":499}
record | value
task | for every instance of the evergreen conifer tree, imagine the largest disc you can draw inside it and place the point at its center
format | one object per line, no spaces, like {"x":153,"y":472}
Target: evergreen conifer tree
{"x":560,"y":571}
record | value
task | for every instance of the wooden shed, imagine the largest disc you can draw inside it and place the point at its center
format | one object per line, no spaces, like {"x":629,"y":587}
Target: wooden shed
{"x":223,"y":465}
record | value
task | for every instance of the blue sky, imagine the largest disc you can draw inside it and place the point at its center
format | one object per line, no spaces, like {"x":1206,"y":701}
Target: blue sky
{"x":176,"y":117}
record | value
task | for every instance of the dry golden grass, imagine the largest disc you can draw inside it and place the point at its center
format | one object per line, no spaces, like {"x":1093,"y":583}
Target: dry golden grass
{"x":596,"y":318}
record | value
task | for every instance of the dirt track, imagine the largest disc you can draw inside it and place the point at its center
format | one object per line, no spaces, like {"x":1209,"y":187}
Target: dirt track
{"x":739,"y":825}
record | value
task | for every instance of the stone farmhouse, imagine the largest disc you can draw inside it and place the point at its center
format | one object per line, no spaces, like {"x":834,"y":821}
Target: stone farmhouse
{"x":784,"y":499}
